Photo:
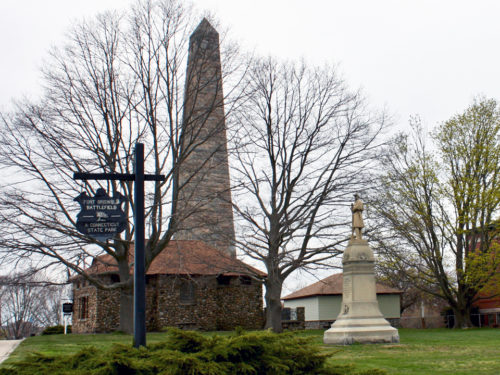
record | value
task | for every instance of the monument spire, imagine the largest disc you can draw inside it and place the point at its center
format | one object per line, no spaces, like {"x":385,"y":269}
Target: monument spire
{"x":204,"y":206}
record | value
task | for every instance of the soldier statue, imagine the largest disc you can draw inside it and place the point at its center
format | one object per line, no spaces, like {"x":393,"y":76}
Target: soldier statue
{"x":357,"y":217}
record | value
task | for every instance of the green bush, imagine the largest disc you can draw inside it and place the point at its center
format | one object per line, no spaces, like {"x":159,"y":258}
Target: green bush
{"x":190,"y":353}
{"x":56,"y":330}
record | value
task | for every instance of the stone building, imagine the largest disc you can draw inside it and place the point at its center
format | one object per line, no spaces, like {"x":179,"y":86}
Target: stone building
{"x":196,"y":281}
{"x":188,"y":285}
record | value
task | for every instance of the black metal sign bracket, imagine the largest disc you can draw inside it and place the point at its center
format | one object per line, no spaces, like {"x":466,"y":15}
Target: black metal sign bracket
{"x":139,"y":267}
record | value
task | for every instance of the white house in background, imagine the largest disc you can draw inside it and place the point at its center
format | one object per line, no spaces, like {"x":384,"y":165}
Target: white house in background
{"x":322,"y":301}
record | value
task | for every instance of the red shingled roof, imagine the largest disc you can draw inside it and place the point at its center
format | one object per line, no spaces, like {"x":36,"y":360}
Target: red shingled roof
{"x":332,"y":285}
{"x":184,"y":258}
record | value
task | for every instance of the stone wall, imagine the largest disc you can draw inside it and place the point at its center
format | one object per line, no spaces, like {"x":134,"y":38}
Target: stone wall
{"x":239,"y":304}
{"x":293,"y":318}
{"x":108,"y":311}
{"x":171,"y":312}
{"x":318,"y":324}
{"x":219,"y":304}
{"x":81,"y":289}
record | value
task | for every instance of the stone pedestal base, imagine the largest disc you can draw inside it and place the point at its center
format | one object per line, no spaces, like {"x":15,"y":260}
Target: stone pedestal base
{"x":364,"y":331}
{"x":360,"y":319}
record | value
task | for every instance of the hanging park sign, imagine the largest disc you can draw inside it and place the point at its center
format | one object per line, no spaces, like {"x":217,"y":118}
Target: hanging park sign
{"x":101,"y":217}
{"x":110,"y":213}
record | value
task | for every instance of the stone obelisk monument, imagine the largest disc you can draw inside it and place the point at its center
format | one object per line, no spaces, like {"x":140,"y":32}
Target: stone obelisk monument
{"x":204,"y":207}
{"x":360,"y":319}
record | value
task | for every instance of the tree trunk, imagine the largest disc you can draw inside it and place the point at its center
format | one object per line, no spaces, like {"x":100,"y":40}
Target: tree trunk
{"x":127,"y":310}
{"x":273,"y":304}
{"x":127,"y":290}
{"x":462,"y":318}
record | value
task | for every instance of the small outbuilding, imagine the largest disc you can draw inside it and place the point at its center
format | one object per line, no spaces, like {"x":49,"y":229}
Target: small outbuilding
{"x":322,"y":301}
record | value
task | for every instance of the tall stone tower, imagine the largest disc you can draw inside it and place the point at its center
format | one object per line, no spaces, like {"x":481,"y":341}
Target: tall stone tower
{"x":204,"y":206}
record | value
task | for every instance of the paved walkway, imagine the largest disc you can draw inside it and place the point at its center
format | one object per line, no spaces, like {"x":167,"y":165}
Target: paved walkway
{"x":7,"y":347}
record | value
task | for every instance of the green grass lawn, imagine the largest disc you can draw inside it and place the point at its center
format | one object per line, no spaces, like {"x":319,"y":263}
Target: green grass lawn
{"x":433,"y":351}
{"x":439,"y":351}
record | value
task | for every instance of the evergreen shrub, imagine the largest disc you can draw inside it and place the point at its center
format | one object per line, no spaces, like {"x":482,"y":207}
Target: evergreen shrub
{"x":191,"y":353}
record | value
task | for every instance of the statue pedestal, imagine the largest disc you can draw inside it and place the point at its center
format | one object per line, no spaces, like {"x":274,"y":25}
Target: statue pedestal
{"x":360,"y":319}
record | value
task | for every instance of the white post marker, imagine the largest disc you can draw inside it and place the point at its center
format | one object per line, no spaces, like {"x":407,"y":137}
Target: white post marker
{"x":67,"y":309}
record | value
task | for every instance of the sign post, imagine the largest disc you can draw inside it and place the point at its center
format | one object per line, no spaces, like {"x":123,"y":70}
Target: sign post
{"x":140,"y":259}
{"x":67,"y":311}
{"x":108,"y":230}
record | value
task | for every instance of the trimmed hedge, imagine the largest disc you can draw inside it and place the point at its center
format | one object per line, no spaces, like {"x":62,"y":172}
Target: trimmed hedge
{"x":56,"y":330}
{"x":190,"y":353}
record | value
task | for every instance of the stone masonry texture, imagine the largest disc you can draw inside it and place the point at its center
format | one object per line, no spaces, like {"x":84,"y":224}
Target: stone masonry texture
{"x":204,"y":205}
{"x":216,"y":305}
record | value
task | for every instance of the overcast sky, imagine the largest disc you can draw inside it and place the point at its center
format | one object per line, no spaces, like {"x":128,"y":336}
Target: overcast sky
{"x":411,"y":56}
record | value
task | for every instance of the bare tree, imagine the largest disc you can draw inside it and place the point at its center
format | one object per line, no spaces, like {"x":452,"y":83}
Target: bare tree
{"x":118,"y":80}
{"x":29,"y":303}
{"x":436,"y":213}
{"x":303,"y":144}
{"x":393,"y":273}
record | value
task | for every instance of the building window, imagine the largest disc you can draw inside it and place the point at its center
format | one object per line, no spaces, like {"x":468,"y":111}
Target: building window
{"x":245,"y":280}
{"x":83,"y":312}
{"x":223,"y":280}
{"x":187,"y":293}
{"x":150,"y":279}
{"x":115,"y":278}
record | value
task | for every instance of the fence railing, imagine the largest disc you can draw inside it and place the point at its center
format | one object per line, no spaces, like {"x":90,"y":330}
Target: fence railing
{"x":438,"y":321}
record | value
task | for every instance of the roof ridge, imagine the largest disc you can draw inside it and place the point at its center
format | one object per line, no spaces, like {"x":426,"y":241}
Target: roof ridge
{"x":332,"y":285}
{"x":183,"y":257}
